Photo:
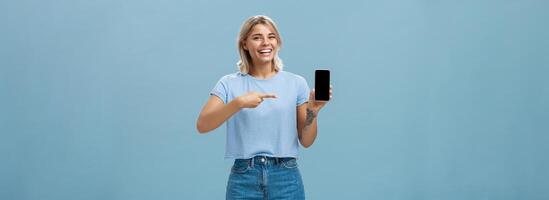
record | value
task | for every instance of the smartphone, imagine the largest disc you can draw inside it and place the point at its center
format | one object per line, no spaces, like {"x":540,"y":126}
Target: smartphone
{"x":322,"y":85}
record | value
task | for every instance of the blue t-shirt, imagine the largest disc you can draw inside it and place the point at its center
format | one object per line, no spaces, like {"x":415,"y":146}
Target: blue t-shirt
{"x":270,"y":129}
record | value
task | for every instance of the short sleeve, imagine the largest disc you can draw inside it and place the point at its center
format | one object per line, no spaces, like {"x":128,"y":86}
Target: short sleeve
{"x":303,"y":91}
{"x":220,"y":90}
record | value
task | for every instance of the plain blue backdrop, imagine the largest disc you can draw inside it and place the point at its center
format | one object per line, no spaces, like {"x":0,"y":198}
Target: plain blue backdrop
{"x":432,"y":99}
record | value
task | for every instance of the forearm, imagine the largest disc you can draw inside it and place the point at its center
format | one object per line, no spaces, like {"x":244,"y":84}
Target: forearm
{"x":308,"y":132}
{"x":212,"y":119}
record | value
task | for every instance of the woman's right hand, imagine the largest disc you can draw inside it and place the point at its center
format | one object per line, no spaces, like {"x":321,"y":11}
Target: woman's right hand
{"x":253,"y":99}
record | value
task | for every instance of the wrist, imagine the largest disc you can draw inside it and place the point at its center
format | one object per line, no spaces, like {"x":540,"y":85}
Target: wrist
{"x":237,"y":102}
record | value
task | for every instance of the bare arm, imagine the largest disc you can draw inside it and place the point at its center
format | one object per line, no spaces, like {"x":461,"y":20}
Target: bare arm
{"x":307,"y":119}
{"x":215,"y":112}
{"x":306,"y":125}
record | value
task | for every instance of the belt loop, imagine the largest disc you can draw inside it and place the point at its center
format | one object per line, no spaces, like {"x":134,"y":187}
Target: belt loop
{"x":252,"y":162}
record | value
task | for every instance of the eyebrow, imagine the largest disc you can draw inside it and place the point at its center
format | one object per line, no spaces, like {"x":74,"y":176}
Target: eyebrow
{"x":259,"y":34}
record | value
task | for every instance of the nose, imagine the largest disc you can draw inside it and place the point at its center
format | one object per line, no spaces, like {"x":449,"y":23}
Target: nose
{"x":266,"y":42}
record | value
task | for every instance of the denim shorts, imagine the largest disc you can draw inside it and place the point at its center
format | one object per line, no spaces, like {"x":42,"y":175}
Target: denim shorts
{"x":264,"y":178}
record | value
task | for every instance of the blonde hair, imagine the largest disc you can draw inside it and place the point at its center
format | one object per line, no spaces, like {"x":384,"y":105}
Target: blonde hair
{"x":245,"y":61}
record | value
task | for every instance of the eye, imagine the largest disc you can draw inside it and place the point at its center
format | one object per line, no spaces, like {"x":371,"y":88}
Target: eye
{"x":272,"y":37}
{"x":256,"y":38}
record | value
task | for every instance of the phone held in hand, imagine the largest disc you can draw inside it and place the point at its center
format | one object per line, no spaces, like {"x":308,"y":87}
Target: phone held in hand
{"x":322,"y":85}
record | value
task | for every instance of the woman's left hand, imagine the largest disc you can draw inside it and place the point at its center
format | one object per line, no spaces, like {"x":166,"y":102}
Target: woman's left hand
{"x":317,"y":105}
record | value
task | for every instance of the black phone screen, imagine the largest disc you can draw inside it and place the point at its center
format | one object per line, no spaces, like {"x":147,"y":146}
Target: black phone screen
{"x":322,"y":85}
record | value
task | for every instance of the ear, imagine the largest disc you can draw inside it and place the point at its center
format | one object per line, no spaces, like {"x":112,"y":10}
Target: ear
{"x":244,"y":45}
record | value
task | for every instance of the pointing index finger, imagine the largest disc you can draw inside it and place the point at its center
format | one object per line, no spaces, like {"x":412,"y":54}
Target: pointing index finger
{"x":267,"y":95}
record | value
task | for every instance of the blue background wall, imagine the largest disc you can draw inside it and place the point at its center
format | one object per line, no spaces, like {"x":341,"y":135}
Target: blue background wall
{"x":432,"y":99}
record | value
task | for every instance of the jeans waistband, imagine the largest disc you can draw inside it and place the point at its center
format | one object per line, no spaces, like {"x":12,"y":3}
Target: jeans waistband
{"x":265,"y":159}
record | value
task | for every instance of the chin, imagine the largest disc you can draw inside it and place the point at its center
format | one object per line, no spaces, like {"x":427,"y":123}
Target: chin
{"x":265,"y":59}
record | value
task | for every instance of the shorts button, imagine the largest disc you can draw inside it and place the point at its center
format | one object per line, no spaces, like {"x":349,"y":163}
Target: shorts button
{"x":262,"y":159}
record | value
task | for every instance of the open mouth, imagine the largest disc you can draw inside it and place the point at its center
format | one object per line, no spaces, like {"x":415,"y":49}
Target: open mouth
{"x":265,"y":51}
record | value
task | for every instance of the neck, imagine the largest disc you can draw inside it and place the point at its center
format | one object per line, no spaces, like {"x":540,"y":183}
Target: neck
{"x":262,"y":70}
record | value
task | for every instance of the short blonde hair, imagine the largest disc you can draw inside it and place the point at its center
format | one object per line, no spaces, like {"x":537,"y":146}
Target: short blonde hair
{"x":245,"y":61}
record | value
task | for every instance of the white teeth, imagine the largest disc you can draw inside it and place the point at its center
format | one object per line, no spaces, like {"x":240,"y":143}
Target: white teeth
{"x":265,"y":51}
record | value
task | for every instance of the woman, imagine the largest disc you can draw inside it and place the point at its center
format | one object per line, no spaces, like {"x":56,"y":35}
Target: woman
{"x":268,"y":113}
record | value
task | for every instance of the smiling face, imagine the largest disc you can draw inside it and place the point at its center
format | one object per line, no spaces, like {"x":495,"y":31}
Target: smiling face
{"x":261,"y":44}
